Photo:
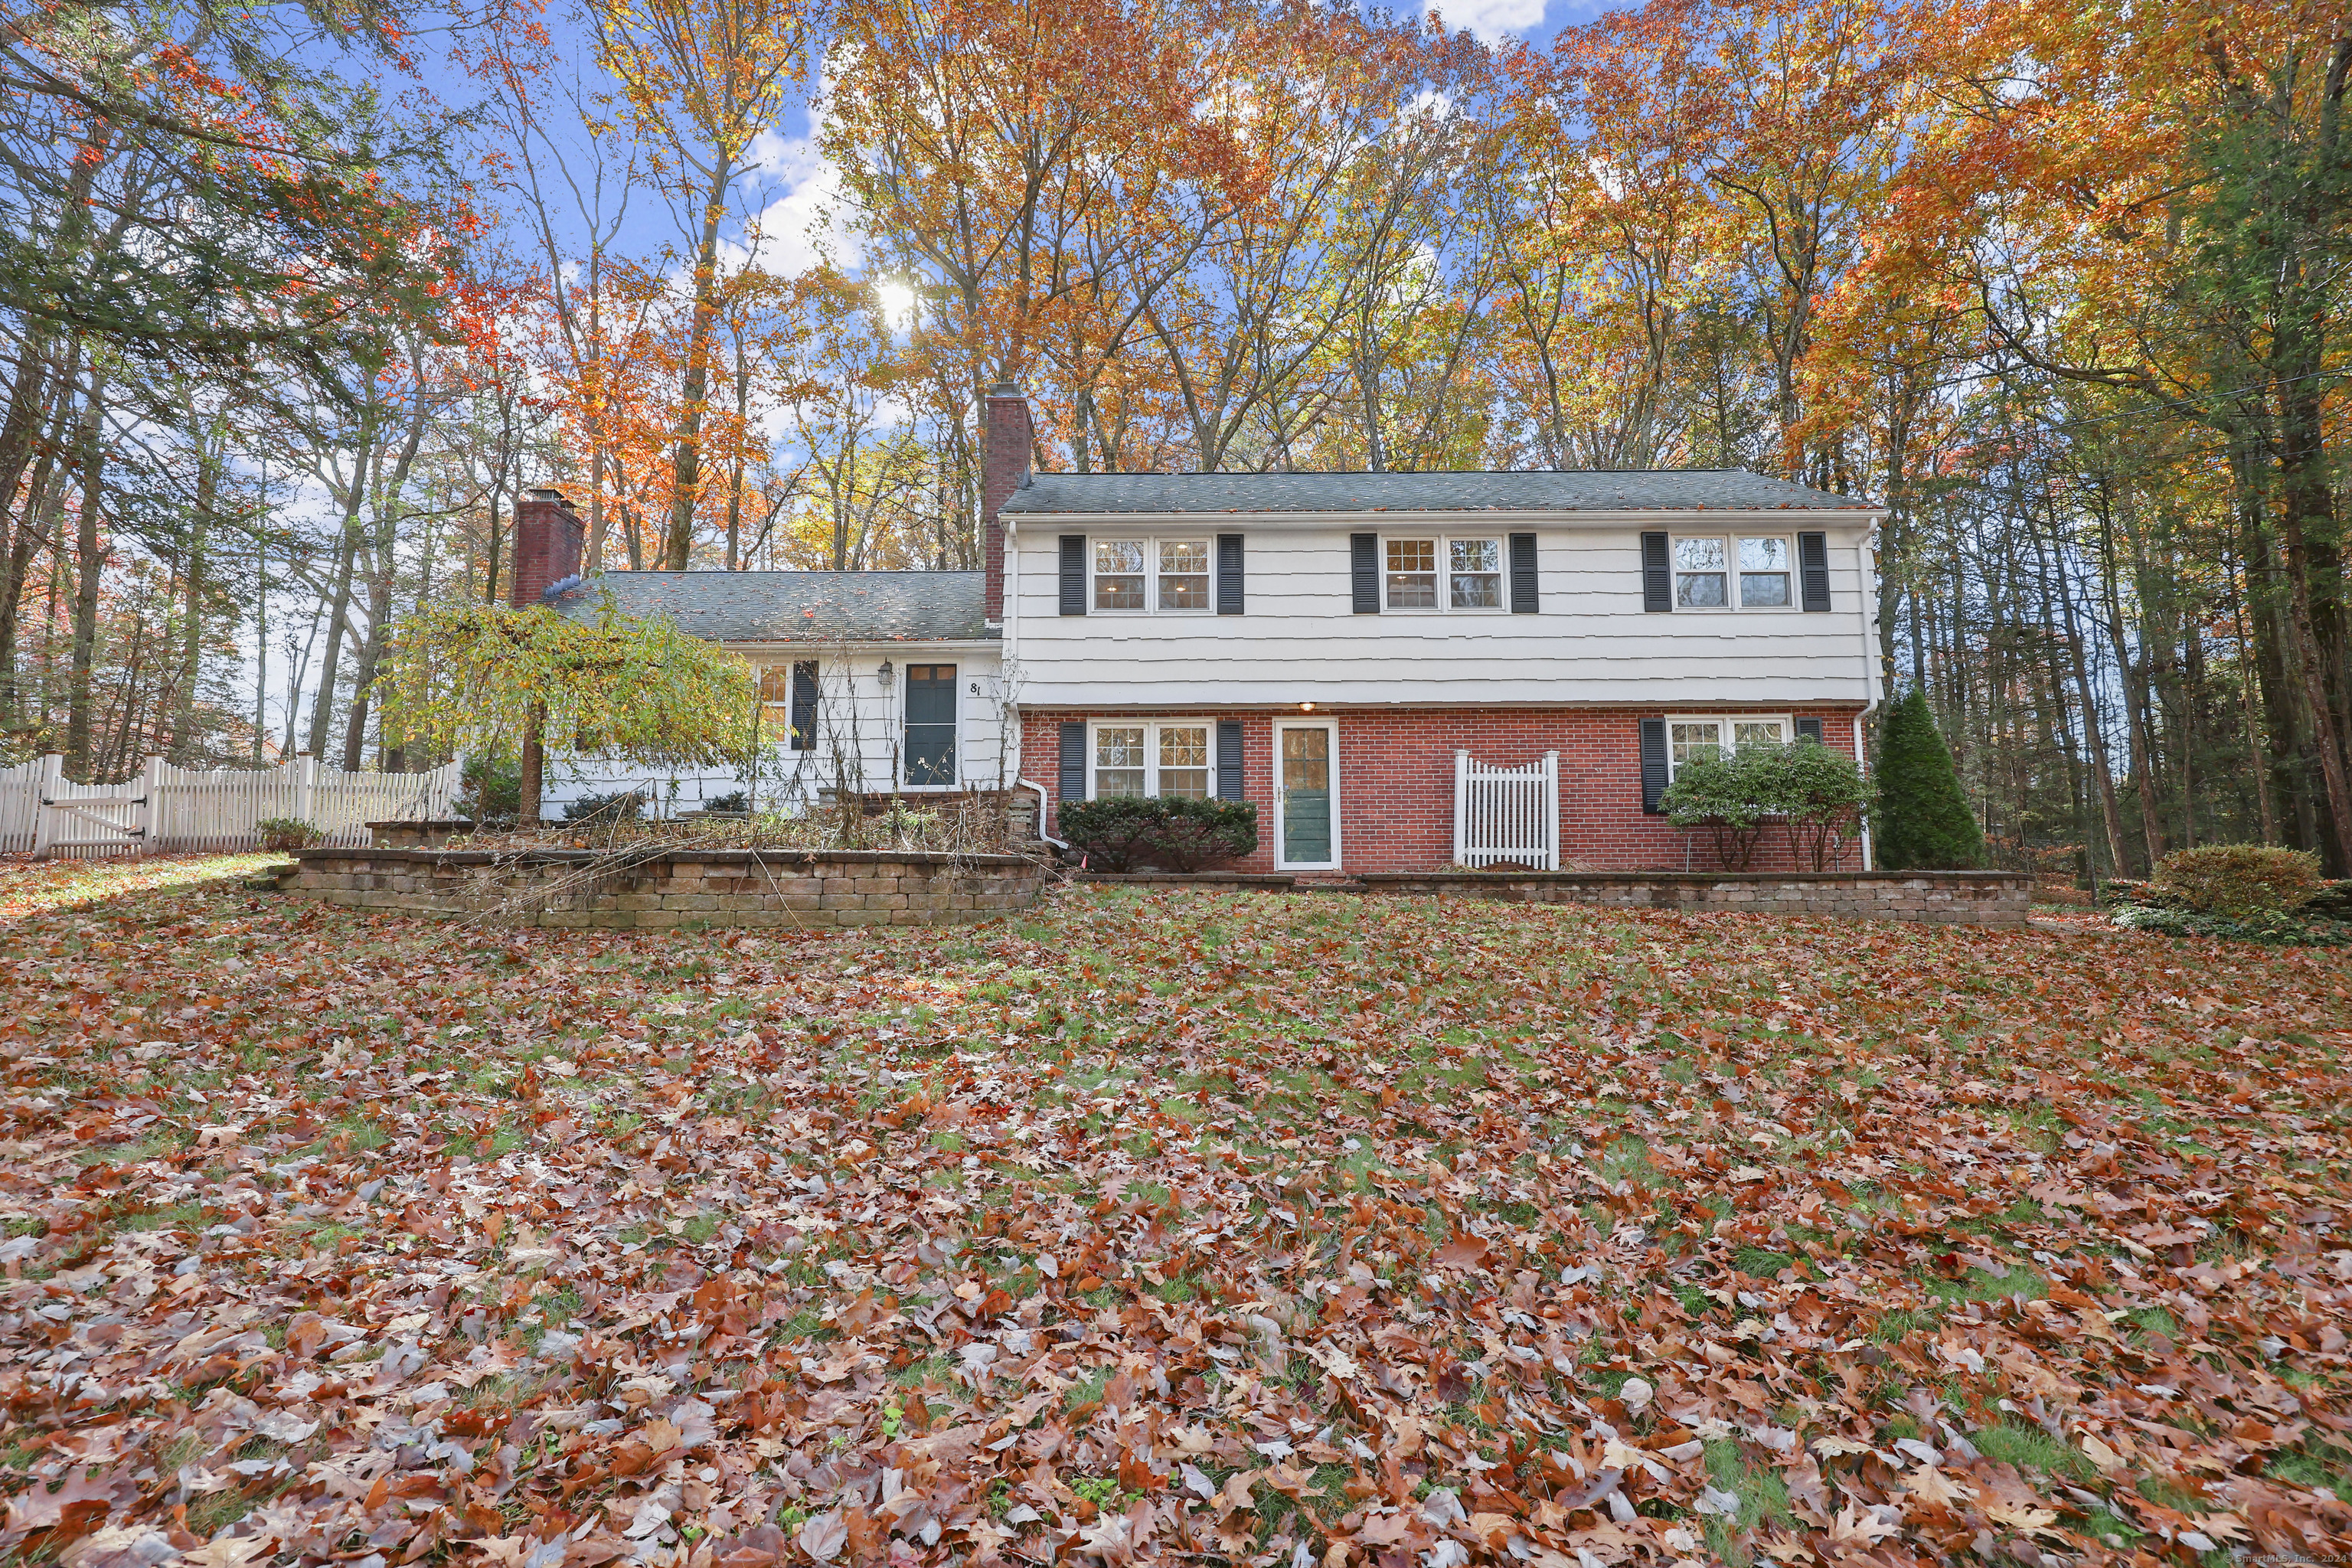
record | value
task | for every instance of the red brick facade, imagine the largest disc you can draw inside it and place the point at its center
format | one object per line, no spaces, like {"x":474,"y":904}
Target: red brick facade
{"x":1396,"y":779}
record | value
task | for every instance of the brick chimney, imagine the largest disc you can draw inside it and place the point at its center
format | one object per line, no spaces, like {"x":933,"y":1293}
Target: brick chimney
{"x":547,"y":539}
{"x":1006,"y":437}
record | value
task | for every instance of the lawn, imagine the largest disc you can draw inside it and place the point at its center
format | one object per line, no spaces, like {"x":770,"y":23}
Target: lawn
{"x":1281,"y":1229}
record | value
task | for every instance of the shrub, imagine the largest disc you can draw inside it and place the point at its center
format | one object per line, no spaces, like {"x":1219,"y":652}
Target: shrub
{"x":490,"y":791}
{"x":2238,"y":878}
{"x":2276,"y":927}
{"x":2333,"y":901}
{"x":1167,"y":831}
{"x":280,"y":834}
{"x":731,"y":803}
{"x":1924,"y":821}
{"x":1719,"y":793}
{"x":1817,"y":793}
{"x":605,"y":810}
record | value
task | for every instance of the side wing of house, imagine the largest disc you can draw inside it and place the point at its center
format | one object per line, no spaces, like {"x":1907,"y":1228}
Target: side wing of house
{"x":869,"y":682}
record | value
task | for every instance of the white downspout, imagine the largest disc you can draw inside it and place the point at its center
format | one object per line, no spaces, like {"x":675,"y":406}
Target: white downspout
{"x":1868,"y":551}
{"x":1008,"y":658}
{"x":1032,"y":783}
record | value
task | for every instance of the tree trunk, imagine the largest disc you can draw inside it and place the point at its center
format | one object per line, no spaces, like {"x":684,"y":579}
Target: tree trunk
{"x":694,"y":390}
{"x":533,"y":768}
{"x":89,"y":565}
{"x":40,"y":514}
{"x":192,"y":639}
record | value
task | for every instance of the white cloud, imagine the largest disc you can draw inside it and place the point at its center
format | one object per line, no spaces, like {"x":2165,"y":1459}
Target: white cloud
{"x":1490,"y":20}
{"x":802,"y":225}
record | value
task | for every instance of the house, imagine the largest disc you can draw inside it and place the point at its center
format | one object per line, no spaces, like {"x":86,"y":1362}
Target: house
{"x":1401,"y":670}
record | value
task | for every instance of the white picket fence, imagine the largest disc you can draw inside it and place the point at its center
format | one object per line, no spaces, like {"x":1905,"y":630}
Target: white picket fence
{"x":166,"y":807}
{"x":1506,"y":814}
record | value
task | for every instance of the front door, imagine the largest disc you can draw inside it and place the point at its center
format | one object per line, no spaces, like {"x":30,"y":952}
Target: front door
{"x":931,"y":724}
{"x":1305,"y":796}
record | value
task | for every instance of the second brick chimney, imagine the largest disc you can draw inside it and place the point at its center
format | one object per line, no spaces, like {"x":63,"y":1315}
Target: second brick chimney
{"x":548,"y":539}
{"x":1006,"y":437}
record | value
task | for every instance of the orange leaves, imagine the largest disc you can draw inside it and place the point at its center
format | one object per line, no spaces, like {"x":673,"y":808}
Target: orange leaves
{"x":876,"y":1285}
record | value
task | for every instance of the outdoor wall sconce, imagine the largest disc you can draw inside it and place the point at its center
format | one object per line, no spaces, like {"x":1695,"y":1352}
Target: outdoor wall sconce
{"x":885,"y":672}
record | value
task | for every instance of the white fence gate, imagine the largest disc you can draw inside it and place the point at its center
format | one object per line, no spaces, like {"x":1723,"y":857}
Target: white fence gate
{"x":1506,"y":814}
{"x":166,"y":807}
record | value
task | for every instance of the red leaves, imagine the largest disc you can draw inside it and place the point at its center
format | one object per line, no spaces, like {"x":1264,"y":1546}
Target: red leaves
{"x":888,"y":1287}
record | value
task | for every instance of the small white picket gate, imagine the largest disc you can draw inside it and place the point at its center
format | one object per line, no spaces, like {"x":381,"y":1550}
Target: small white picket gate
{"x":165,"y":808}
{"x":1506,"y":814}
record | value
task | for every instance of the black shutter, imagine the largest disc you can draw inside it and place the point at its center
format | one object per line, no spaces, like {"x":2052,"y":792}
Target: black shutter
{"x":1229,"y":574}
{"x":1229,"y":759}
{"x":1364,"y":569}
{"x":1654,"y":763}
{"x":1813,"y":562}
{"x":1073,"y":573}
{"x":1808,"y":729}
{"x":1074,"y":760}
{"x":1657,"y":576}
{"x":804,"y":706}
{"x":1523,"y":573}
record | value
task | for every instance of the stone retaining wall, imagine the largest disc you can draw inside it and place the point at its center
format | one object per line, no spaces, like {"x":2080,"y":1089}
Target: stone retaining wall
{"x":583,"y":888}
{"x":1939,"y":898}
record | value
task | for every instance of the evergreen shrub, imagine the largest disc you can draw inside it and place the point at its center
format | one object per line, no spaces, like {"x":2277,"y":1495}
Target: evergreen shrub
{"x":1169,"y":832}
{"x":1923,"y":820}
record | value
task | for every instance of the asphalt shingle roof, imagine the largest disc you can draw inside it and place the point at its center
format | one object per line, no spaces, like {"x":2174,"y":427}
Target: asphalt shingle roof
{"x":1659,"y":490}
{"x":795,"y":606}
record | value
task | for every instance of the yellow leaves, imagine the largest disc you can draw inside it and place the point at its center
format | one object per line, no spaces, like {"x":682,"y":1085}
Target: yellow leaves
{"x":472,"y":678}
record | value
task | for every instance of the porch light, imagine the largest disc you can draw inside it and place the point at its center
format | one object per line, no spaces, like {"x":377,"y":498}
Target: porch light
{"x":885,"y":672}
{"x":1306,"y":708}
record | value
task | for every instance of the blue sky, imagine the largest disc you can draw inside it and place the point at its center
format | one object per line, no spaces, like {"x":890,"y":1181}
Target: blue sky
{"x":792,"y":183}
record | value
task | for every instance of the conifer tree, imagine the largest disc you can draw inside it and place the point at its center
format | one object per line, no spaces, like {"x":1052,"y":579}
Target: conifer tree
{"x":1922,"y":819}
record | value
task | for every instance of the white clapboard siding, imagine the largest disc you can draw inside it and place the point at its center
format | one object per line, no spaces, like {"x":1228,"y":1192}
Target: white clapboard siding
{"x":860,"y":738}
{"x":1506,"y":814}
{"x":1300,"y":640}
{"x":165,"y":807}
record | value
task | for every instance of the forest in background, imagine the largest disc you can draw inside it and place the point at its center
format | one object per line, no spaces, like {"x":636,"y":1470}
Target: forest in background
{"x":296,"y":301}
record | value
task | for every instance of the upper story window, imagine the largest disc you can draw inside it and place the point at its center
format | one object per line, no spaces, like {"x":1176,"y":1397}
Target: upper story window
{"x":1152,"y":574}
{"x":1453,"y":573}
{"x":1150,"y":759}
{"x":1743,"y":570}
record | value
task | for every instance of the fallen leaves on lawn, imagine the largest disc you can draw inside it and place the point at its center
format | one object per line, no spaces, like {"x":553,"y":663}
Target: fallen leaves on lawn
{"x":1285,"y":1231}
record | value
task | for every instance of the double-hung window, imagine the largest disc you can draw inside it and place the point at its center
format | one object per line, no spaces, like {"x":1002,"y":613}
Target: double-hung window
{"x":1444,"y":572}
{"x":1152,"y":574}
{"x":1709,"y":737}
{"x":788,"y":698}
{"x":1740,"y":571}
{"x":1141,"y":757}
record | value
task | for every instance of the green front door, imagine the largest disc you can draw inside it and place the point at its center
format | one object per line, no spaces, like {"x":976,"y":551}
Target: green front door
{"x":1307,"y":795}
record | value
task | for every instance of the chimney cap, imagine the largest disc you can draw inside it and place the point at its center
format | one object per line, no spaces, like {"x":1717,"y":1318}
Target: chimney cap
{"x":556,"y":496}
{"x":1005,"y":388}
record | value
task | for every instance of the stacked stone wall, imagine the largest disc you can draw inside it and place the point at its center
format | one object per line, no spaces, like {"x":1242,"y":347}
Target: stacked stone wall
{"x":584,"y":888}
{"x":1939,"y":898}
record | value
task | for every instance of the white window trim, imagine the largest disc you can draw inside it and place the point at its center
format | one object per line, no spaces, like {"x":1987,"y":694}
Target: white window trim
{"x":1151,"y":571}
{"x":898,"y":711}
{"x":1446,"y":605}
{"x":1788,"y":723}
{"x":1730,"y":542}
{"x":1331,"y":728}
{"x":1150,"y":728}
